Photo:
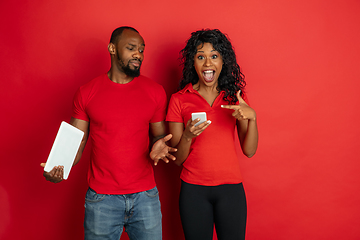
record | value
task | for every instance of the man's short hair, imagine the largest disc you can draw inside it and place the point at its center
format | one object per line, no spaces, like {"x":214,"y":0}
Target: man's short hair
{"x":117,"y":33}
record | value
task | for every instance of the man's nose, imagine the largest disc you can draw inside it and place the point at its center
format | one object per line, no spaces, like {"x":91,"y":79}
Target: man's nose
{"x":137,"y":54}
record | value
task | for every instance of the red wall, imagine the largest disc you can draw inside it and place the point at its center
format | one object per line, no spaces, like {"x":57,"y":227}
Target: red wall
{"x":301,"y":61}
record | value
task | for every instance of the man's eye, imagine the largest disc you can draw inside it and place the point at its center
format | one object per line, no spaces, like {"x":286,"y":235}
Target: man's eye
{"x":130,"y":48}
{"x":141,"y":50}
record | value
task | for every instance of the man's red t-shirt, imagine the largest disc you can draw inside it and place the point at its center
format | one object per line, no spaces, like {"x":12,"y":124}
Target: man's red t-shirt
{"x":119,"y":116}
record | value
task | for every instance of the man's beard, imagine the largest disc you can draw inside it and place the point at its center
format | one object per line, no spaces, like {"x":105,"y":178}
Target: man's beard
{"x":127,"y":70}
{"x":131,"y":72}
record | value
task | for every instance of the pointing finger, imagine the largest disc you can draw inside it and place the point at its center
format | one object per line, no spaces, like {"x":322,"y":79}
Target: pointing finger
{"x":229,"y":106}
{"x":239,"y":97}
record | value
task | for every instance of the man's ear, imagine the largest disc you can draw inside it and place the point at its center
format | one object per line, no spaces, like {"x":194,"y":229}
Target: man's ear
{"x":111,"y":48}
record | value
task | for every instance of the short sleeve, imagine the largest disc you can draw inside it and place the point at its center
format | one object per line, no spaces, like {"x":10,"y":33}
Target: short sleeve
{"x":174,"y":110}
{"x":161,"y":101}
{"x":78,"y":109}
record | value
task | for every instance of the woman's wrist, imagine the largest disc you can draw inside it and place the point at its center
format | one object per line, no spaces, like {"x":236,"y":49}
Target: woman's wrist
{"x":186,"y":138}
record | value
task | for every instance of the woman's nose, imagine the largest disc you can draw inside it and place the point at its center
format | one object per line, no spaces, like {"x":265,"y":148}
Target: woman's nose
{"x":207,"y":62}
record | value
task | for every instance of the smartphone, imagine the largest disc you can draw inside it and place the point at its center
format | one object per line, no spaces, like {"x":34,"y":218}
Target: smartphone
{"x":201,"y":115}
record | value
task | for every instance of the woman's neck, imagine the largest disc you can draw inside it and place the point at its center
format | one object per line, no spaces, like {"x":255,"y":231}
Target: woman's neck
{"x":209,"y":93}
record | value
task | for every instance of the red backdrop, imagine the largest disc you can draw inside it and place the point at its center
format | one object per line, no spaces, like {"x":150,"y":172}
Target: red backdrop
{"x":301,"y":61}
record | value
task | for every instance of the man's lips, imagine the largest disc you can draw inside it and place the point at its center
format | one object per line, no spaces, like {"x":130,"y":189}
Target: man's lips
{"x":136,"y":63}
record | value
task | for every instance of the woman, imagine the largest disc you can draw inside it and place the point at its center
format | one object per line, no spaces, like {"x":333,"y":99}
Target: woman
{"x":211,"y":187}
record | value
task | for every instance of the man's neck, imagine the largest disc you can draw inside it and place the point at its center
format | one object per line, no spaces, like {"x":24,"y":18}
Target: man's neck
{"x":119,"y":77}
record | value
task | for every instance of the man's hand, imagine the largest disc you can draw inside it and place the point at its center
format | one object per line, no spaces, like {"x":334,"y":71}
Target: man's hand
{"x":162,"y":151}
{"x":241,"y":111}
{"x":55,"y":175}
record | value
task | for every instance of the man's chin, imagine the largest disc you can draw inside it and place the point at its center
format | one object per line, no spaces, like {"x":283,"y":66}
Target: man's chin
{"x":132,"y":72}
{"x":135,"y":74}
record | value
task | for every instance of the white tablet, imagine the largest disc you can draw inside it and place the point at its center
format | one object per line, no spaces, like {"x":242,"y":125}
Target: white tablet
{"x":65,"y":148}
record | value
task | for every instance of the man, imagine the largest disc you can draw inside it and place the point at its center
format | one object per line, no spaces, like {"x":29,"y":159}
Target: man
{"x":116,"y":111}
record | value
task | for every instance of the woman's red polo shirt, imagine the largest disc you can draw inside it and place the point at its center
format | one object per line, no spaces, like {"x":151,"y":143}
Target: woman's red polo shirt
{"x":212,"y":159}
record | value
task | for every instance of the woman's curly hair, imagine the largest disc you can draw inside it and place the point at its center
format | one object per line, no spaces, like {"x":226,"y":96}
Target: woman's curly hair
{"x":231,"y":79}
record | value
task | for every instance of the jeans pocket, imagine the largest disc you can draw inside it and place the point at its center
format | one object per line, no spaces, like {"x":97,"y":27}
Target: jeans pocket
{"x":152,"y":192}
{"x":92,"y":196}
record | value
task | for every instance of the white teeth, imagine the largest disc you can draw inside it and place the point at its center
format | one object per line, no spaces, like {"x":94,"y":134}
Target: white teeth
{"x":208,"y":75}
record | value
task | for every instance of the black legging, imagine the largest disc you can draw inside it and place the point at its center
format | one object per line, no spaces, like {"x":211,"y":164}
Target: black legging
{"x":202,"y":206}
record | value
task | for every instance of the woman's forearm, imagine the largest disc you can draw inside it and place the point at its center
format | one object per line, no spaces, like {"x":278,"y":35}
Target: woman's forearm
{"x":249,"y":142}
{"x":183,"y":150}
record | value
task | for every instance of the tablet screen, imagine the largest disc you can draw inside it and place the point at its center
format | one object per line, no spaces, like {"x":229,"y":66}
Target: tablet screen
{"x":65,"y":148}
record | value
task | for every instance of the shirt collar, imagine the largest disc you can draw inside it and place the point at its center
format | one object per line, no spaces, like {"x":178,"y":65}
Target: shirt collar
{"x":189,"y":88}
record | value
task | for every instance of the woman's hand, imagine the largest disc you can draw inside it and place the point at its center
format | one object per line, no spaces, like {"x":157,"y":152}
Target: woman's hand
{"x":182,"y":137}
{"x":247,"y":130}
{"x":242,"y":111}
{"x":192,"y":131}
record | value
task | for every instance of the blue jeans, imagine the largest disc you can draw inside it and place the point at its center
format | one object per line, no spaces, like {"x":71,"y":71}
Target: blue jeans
{"x":139,"y":213}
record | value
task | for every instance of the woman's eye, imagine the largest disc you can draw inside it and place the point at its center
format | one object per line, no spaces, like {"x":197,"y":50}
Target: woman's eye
{"x":214,"y":56}
{"x":200,"y":57}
